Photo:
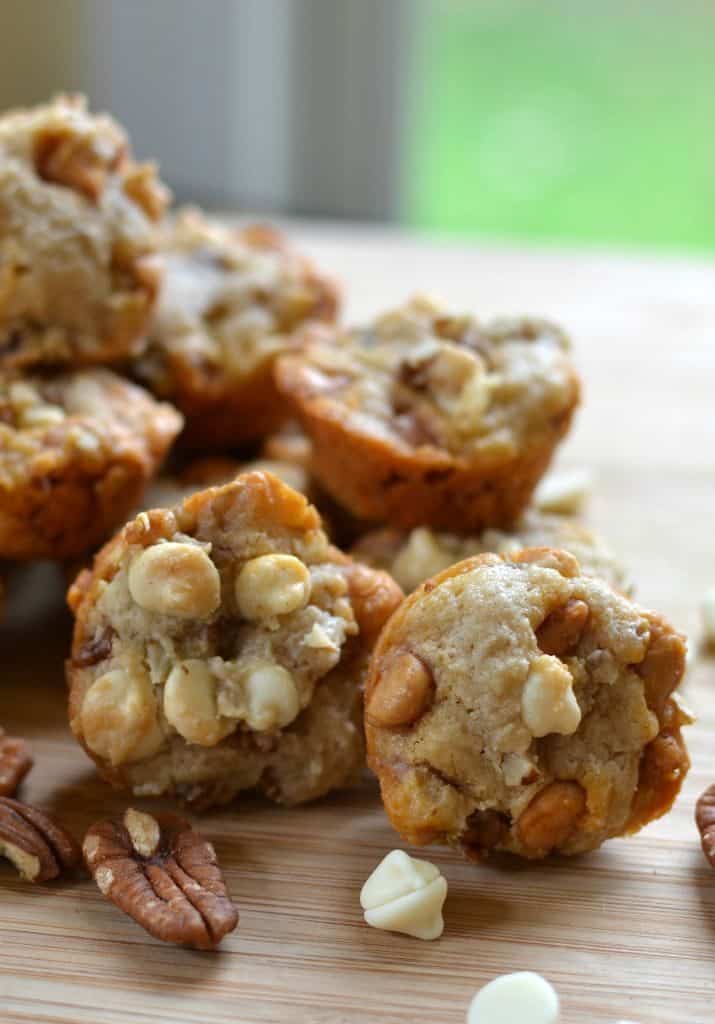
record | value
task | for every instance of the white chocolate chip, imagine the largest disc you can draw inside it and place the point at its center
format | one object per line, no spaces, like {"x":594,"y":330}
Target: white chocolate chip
{"x":119,"y":717}
{"x":41,"y":416}
{"x":272,"y":585}
{"x":319,"y":639}
{"x":175,"y":579}
{"x":421,"y":557}
{"x":563,"y":491}
{"x":190,"y":704}
{"x":405,"y":895}
{"x":548,"y":703}
{"x":708,"y":616}
{"x":271,"y":696}
{"x":516,"y":768}
{"x":521,"y":998}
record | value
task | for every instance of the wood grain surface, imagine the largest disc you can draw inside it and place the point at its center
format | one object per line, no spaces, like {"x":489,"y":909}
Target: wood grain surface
{"x":624,"y":933}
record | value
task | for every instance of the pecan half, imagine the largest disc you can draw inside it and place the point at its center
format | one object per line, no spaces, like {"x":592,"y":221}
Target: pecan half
{"x":705,"y":820}
{"x":15,"y":763}
{"x":163,"y":875}
{"x":35,"y":843}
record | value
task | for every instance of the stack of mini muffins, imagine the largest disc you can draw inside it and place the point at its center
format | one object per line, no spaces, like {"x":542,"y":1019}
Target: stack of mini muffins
{"x":516,"y":700}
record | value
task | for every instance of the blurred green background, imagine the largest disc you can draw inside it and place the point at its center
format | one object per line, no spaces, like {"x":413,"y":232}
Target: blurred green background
{"x":564,"y":121}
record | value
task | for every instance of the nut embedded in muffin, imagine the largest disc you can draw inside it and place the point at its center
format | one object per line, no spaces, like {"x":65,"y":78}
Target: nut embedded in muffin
{"x":230,"y":299}
{"x":220,"y":646}
{"x":79,"y":273}
{"x":430,"y":419}
{"x":76,"y":451}
{"x":514,"y":703}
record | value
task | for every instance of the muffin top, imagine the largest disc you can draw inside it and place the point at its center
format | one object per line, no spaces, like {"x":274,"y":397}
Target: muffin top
{"x":221,"y":614}
{"x":78,"y":269}
{"x":230,"y":295}
{"x":504,"y":677}
{"x":420,"y":378}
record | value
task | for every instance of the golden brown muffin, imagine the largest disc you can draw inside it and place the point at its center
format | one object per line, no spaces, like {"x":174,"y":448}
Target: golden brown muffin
{"x":229,"y":300}
{"x":429,"y":419}
{"x":414,"y":556}
{"x":79,"y":274}
{"x":76,"y":451}
{"x":514,"y":704}
{"x":221,"y":645}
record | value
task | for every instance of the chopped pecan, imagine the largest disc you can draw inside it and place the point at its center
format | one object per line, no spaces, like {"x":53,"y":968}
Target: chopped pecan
{"x":15,"y":763}
{"x":561,"y":630}
{"x":97,"y":649}
{"x":705,"y":820}
{"x":77,"y":162}
{"x":163,"y":875}
{"x":664,"y":765}
{"x":37,"y":845}
{"x":404,"y":690}
{"x":663,"y":665}
{"x":485,"y":830}
{"x":552,"y":816}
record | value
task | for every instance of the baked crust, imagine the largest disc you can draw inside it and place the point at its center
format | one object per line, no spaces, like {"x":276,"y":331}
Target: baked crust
{"x":231,"y":298}
{"x":219,"y":736}
{"x":471,"y":767}
{"x":429,"y":419}
{"x":76,"y":451}
{"x":79,"y":273}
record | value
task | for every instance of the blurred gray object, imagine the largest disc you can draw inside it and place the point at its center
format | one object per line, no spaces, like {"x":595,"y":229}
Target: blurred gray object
{"x":284,"y":105}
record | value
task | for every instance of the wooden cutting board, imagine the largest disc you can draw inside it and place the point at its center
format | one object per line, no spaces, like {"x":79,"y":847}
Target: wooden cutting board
{"x":624,"y":933}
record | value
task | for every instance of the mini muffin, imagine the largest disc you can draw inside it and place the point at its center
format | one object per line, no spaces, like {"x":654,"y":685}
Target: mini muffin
{"x":413,"y":557}
{"x":230,"y":299}
{"x":429,"y":419}
{"x":515,"y":704}
{"x":220,"y":646}
{"x":76,"y":451}
{"x":79,"y":274}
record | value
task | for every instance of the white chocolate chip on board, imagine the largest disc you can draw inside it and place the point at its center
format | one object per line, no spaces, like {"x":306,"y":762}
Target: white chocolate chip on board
{"x":405,"y":895}
{"x":520,"y":998}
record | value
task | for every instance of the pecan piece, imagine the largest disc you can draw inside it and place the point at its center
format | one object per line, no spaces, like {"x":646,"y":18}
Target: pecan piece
{"x":76,"y":162}
{"x":484,"y":831}
{"x":561,"y":630}
{"x":552,"y":816}
{"x":15,"y":763}
{"x":163,"y":875}
{"x":35,"y":843}
{"x":404,"y":691}
{"x":548,"y":558}
{"x":705,"y":820}
{"x":663,"y":665}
